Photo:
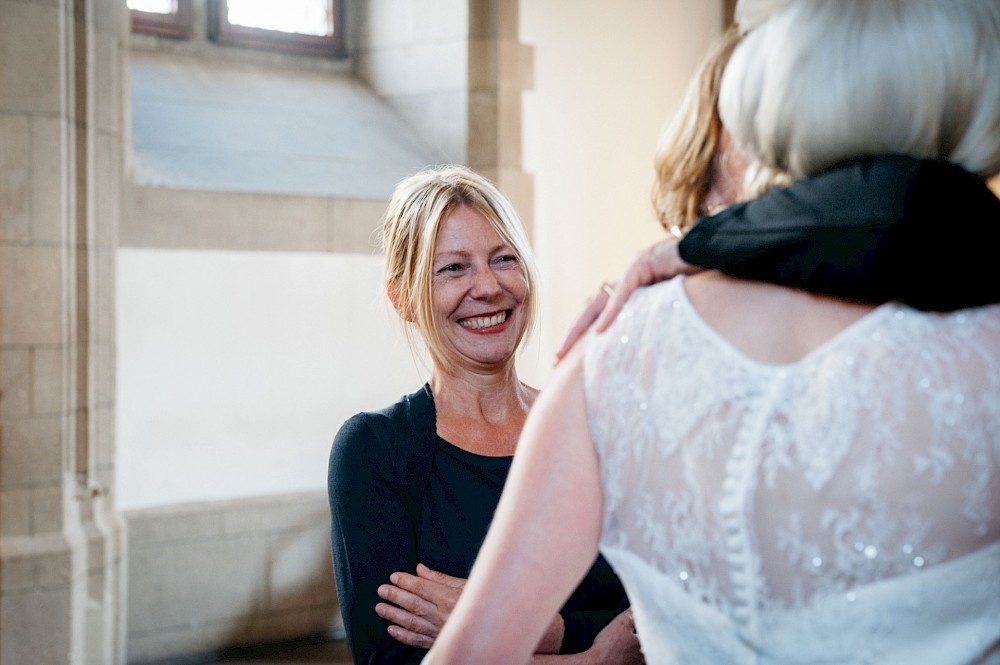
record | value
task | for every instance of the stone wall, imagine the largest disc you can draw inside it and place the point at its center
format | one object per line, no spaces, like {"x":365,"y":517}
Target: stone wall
{"x":208,"y":576}
{"x":61,"y":126}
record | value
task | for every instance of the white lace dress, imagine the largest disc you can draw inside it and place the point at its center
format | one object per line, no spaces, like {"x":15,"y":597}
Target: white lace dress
{"x":841,"y":509}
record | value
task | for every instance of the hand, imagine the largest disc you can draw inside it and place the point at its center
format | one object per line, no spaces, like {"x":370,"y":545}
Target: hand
{"x":618,"y":644}
{"x":657,"y":263}
{"x":421,"y":604}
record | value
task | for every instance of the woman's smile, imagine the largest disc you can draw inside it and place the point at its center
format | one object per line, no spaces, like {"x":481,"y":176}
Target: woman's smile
{"x":486,"y":324}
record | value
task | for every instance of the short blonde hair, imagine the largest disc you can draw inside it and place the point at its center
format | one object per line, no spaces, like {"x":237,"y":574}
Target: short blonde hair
{"x":419,"y":205}
{"x":683,"y":159}
{"x":823,"y":81}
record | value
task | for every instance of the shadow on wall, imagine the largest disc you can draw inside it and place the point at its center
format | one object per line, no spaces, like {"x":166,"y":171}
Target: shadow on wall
{"x":210,"y":578}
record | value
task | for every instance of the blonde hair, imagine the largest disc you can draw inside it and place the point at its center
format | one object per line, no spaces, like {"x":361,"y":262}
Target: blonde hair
{"x":683,"y":159}
{"x":419,"y":205}
{"x":823,"y":81}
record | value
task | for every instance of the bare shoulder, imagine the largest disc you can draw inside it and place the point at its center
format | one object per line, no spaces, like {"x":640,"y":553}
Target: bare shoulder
{"x":768,"y":322}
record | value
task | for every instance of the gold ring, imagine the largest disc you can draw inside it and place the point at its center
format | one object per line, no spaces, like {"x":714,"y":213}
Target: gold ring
{"x":608,"y":289}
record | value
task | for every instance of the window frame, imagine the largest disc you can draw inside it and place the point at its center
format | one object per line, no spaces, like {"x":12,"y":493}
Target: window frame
{"x":221,"y":31}
{"x":178,"y":25}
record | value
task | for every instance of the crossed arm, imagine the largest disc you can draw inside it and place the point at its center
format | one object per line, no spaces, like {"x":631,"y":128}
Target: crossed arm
{"x":542,"y":540}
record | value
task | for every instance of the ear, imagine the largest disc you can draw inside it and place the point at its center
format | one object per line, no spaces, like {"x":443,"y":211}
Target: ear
{"x":405,"y":313}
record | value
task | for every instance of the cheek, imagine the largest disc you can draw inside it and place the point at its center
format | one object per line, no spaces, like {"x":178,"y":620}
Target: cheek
{"x":445,"y":297}
{"x":516,"y":283}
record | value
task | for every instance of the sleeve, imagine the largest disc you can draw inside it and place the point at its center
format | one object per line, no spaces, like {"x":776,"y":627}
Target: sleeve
{"x":597,"y":600}
{"x":372,"y":536}
{"x":581,"y":628}
{"x":868,"y":230}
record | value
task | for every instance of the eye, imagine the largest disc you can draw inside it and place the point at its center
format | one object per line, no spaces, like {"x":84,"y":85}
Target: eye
{"x":507,"y":259}
{"x":451,"y":267}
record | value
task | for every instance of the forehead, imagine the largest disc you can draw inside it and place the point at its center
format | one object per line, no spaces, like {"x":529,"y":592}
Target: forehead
{"x":466,"y":229}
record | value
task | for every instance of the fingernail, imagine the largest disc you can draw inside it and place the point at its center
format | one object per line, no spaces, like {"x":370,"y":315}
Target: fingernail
{"x":394,"y":578}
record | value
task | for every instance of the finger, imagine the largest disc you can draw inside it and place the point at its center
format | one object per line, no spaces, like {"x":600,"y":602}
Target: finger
{"x":412,"y":602}
{"x":408,"y":620}
{"x":437,"y":576}
{"x":430,"y":599}
{"x":429,"y":590}
{"x":590,"y":313}
{"x":610,"y":312}
{"x":410,"y":638}
{"x":639,"y":274}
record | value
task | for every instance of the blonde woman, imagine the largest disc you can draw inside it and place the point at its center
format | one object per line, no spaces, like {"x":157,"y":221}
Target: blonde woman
{"x":413,"y":487}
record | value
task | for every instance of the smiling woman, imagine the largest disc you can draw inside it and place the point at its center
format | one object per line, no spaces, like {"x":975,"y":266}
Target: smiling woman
{"x":413,"y":487}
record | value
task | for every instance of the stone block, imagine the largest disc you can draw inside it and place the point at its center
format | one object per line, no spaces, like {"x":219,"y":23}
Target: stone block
{"x":482,"y":147}
{"x":36,"y":625}
{"x":15,"y":513}
{"x":102,"y":356}
{"x":107,"y":82}
{"x":17,"y":574}
{"x":107,"y":192}
{"x":46,"y":509}
{"x":155,"y":526}
{"x":54,"y":570}
{"x":389,"y":24}
{"x":195,"y":583}
{"x":48,"y":380}
{"x":103,"y":445}
{"x":14,"y":220}
{"x":32,"y":452}
{"x":15,"y":382}
{"x":354,"y":225}
{"x":31,"y":295}
{"x":440,"y":118}
{"x":287,"y":513}
{"x":440,"y":66}
{"x":30,"y":67}
{"x":443,"y":20}
{"x":48,"y":184}
{"x":111,"y":19}
{"x":484,"y":64}
{"x":105,"y":270}
{"x":301,"y":570}
{"x":188,"y":219}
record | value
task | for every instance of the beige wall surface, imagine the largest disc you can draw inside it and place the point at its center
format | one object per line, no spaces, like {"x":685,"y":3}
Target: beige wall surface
{"x":607,"y":76}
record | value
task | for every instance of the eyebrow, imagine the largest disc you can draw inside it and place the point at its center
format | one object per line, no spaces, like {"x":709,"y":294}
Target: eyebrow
{"x":461,"y":253}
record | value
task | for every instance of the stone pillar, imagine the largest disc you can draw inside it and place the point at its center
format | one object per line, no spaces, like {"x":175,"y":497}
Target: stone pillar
{"x":61,"y":136}
{"x":500,"y":69}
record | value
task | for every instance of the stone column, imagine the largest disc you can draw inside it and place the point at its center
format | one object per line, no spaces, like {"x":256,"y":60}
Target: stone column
{"x":61,"y":137}
{"x":500,"y":69}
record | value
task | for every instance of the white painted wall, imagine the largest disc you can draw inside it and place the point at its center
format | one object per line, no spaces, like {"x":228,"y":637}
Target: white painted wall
{"x":235,"y":369}
{"x":607,"y":77}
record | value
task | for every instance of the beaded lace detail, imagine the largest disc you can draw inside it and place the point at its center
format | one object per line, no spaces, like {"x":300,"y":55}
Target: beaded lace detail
{"x":784,"y":513}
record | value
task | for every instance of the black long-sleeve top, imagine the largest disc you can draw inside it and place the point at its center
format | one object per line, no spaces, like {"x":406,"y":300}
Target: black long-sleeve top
{"x":873,"y":229}
{"x":401,"y":495}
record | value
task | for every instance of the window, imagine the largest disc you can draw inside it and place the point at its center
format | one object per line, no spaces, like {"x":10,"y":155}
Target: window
{"x":167,"y":18}
{"x":305,"y":27}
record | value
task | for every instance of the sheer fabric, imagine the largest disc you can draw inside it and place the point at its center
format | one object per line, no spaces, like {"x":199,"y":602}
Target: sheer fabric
{"x":841,"y":509}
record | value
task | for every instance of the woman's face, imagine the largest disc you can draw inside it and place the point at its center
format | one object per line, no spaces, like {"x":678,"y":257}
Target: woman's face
{"x":478,"y":291}
{"x":725,"y":185}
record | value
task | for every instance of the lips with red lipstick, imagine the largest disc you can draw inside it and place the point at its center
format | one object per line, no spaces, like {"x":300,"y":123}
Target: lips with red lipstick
{"x":486,"y":323}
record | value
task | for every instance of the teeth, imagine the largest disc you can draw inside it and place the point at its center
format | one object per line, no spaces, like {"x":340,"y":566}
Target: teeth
{"x":483,"y":321}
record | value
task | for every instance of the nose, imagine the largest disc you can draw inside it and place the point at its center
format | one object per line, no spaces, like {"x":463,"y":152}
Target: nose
{"x":485,"y":283}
